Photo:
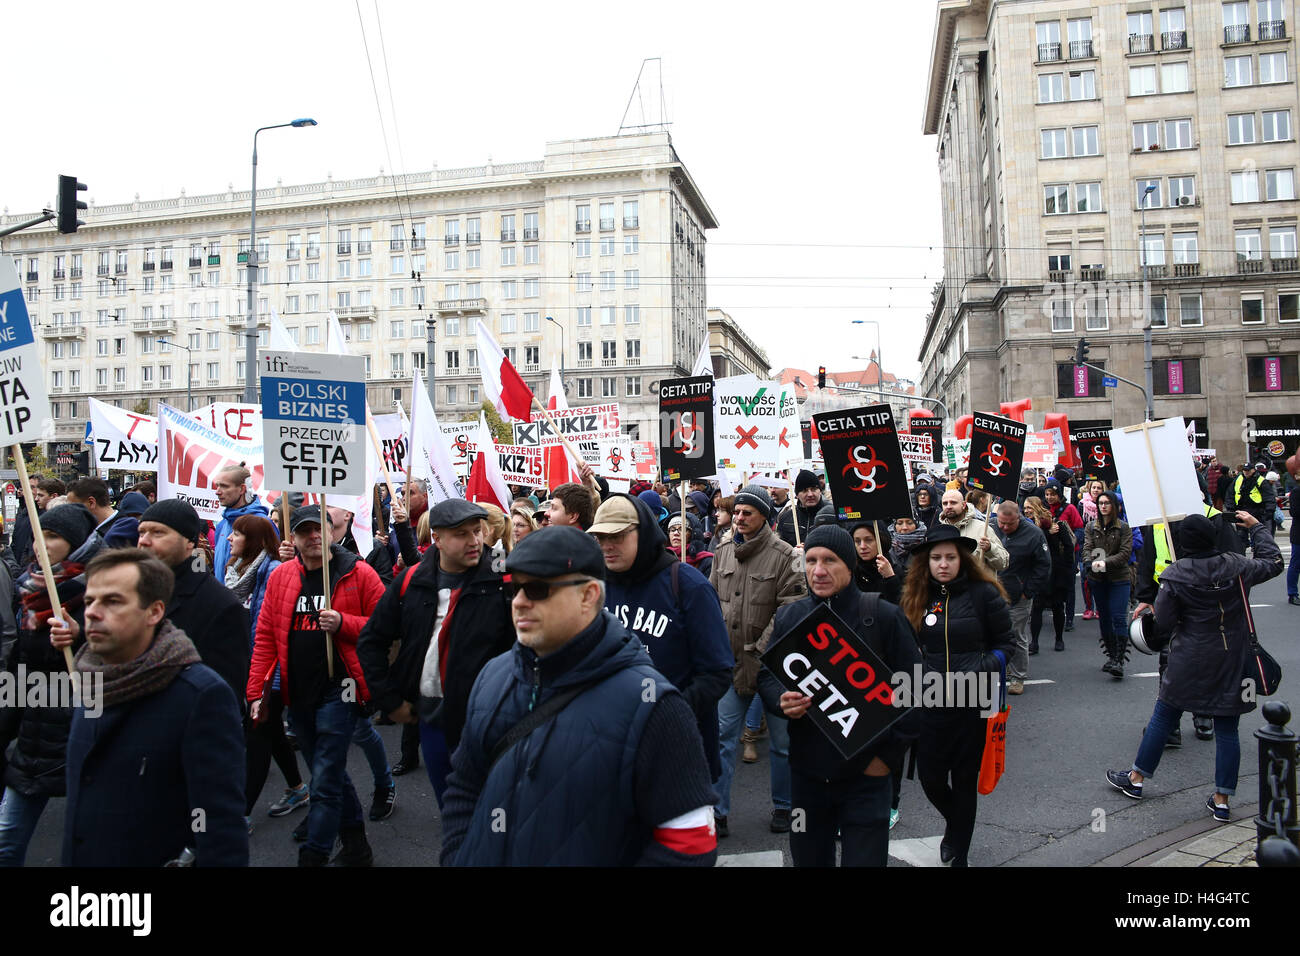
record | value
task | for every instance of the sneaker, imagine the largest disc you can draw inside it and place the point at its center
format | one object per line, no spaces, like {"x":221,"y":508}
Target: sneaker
{"x":249,"y":821}
{"x":720,"y":826}
{"x":1015,"y":687}
{"x":1060,"y":644}
{"x":893,"y":818}
{"x":381,"y":807}
{"x":293,"y":799}
{"x":300,"y":831}
{"x":1219,"y":811}
{"x":1293,"y":599}
{"x":1120,"y":780}
{"x":1090,"y":615}
{"x":780,"y":821}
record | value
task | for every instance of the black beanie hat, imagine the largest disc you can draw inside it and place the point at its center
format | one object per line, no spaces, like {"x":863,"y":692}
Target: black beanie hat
{"x":1196,"y":536}
{"x":756,"y":496}
{"x":177,"y":515}
{"x":73,"y":523}
{"x":835,"y":539}
{"x":805,"y":480}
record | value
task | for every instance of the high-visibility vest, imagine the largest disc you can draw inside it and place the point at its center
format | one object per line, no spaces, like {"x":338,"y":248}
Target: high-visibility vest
{"x":1163,"y":557}
{"x":1255,"y":494}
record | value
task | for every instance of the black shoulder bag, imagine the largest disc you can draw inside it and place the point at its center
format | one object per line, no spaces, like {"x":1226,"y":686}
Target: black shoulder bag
{"x":1261,"y":669}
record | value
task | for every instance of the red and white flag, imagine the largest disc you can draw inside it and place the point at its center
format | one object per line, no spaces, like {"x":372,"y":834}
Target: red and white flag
{"x":485,"y":480}
{"x":501,"y":382}
{"x":559,"y":464}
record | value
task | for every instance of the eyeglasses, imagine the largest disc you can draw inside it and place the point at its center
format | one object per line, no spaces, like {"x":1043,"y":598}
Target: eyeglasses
{"x":538,"y":590}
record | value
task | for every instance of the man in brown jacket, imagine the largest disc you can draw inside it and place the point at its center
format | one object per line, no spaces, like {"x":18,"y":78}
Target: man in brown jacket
{"x":754,"y":573}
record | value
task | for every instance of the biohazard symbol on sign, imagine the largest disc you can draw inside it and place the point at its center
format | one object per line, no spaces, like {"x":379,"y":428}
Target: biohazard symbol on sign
{"x":1099,"y":455}
{"x":686,"y":431}
{"x":996,"y":458}
{"x":462,"y":446}
{"x":864,"y":468}
{"x":747,"y":437}
{"x":615,"y":459}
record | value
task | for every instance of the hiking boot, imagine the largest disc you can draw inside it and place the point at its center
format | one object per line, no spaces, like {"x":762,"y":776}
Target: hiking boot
{"x":1175,"y":738}
{"x":381,"y":807}
{"x":356,"y":848}
{"x":1015,"y":687}
{"x":780,"y":821}
{"x":294,"y":797}
{"x":309,"y":857}
{"x":1120,"y":780}
{"x":749,"y":753}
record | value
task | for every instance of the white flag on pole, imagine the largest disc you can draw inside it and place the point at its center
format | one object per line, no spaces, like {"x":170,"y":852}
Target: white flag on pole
{"x":281,"y":341}
{"x":703,"y":364}
{"x":431,"y":457}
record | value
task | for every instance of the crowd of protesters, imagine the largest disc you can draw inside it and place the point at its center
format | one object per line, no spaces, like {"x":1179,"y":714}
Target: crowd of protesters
{"x":589,"y":660}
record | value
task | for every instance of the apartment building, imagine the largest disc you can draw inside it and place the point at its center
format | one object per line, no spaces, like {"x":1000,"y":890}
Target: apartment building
{"x":1083,"y":148}
{"x":593,"y":256}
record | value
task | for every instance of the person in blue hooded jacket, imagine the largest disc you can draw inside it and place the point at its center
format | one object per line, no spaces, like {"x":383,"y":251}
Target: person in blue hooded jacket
{"x":231,"y":486}
{"x":655,"y":596}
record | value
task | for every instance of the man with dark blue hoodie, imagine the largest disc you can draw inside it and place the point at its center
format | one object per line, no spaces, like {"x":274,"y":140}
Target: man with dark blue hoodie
{"x":655,"y":596}
{"x":233,"y":491}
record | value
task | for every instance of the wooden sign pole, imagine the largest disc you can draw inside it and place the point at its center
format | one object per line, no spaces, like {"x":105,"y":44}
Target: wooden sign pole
{"x":325,"y":569}
{"x":379,"y":450}
{"x":38,"y":536}
{"x":797,"y":542}
{"x":684,"y":526}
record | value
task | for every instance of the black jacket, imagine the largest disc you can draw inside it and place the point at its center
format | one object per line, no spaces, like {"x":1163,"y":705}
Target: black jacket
{"x":1060,"y":548}
{"x":807,"y":518}
{"x":1262,"y":511}
{"x":214,"y":619}
{"x":36,"y":767}
{"x":886,"y":632}
{"x":481,"y":628}
{"x":1226,"y":540}
{"x":1029,"y":570}
{"x":1201,"y":610}
{"x":20,"y":541}
{"x":964,"y":623}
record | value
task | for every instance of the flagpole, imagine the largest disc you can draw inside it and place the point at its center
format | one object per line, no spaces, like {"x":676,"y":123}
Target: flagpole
{"x":325,"y":568}
{"x":577,"y":456}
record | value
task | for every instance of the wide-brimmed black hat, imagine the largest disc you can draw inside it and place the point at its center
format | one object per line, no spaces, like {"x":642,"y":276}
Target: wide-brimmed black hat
{"x":939,"y":533}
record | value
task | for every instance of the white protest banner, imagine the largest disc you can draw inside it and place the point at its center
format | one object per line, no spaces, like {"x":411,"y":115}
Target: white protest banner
{"x":189,"y":456}
{"x":957,"y":453}
{"x":1058,"y":443}
{"x":241,"y":423}
{"x":916,"y":449}
{"x":24,"y":406}
{"x":394,"y":437}
{"x":615,"y":459}
{"x":461,"y":439}
{"x":429,"y":456}
{"x":126,"y":441}
{"x":754,"y":430}
{"x":1156,"y":471}
{"x":588,"y":423}
{"x":314,"y":421}
{"x":520,"y":464}
{"x":1040,"y":449}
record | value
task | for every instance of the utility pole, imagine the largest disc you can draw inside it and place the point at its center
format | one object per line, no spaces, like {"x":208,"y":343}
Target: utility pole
{"x":430,"y":360}
{"x":1148,"y":365}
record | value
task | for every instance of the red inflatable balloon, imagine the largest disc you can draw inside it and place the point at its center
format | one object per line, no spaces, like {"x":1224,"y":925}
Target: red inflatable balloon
{"x":1060,"y":420}
{"x":1016,"y":410}
{"x":962,"y":427}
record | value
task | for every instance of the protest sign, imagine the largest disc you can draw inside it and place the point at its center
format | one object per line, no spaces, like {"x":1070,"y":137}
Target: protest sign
{"x":645,"y":461}
{"x":587,"y":423}
{"x":191,"y":453}
{"x":615,"y":459}
{"x":757,"y":424}
{"x":1040,"y":450}
{"x":932,"y":427}
{"x":314,"y":421}
{"x":24,"y":406}
{"x":863,"y":463}
{"x":997,"y":448}
{"x":125,"y":441}
{"x":850,"y":686}
{"x":1095,"y":451}
{"x":461,"y":439}
{"x":686,"y":439}
{"x":1155,"y":468}
{"x":957,"y":453}
{"x":394,"y":440}
{"x":520,"y":464}
{"x":916,"y":449}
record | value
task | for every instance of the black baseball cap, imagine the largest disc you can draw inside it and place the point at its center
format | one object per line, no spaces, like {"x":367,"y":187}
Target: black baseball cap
{"x":308,"y":514}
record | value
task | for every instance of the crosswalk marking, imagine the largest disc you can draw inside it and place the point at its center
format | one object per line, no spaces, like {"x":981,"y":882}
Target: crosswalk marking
{"x":760,"y":858}
{"x":922,"y":851}
{"x":1041,"y":680}
{"x":1147,"y":674}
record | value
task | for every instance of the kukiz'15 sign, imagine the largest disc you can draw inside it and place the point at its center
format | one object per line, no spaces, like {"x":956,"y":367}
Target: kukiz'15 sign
{"x":1095,"y":452}
{"x":823,"y":658}
{"x":864,"y":464}
{"x":997,"y":448}
{"x":686,"y":428}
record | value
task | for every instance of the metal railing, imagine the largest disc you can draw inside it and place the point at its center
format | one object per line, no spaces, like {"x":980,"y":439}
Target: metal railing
{"x":451,"y":240}
{"x":1237,"y":33}
{"x":606,"y":225}
{"x":507,"y":235}
{"x":583,"y":225}
{"x":363,"y":249}
{"x":1173,"y":40}
{"x":530,"y":235}
{"x":1277,"y":832}
{"x":1080,"y":49}
{"x":196,"y":262}
{"x":76,"y":274}
{"x":631,"y":222}
{"x":1048,"y":52}
{"x":345,"y":248}
{"x":1272,"y":30}
{"x":1140,"y":43}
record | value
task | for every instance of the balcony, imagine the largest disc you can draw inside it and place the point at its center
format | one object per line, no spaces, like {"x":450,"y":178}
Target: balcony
{"x":345,"y":248}
{"x":451,"y":240}
{"x":1057,"y":275}
{"x":396,"y":245}
{"x":363,"y":249}
{"x":76,"y":274}
{"x":417,"y":243}
{"x":608,"y":362}
{"x":1173,"y":40}
{"x":196,"y":262}
{"x":530,"y":235}
{"x":64,"y":330}
{"x":291,"y":253}
{"x":313,"y":252}
{"x":1272,"y":30}
{"x":1249,"y":266}
{"x":1092,"y":273}
{"x":507,"y":235}
{"x":214,"y":260}
{"x":165,"y":265}
{"x":59,"y":274}
{"x":1140,"y":43}
{"x":33,"y":276}
{"x":119,"y":269}
{"x":632,"y":361}
{"x":242,"y":257}
{"x":1186,"y":270}
{"x":1284,"y":264}
{"x":164,"y":326}
{"x":1080,"y":49}
{"x":1047,"y":52}
{"x":236,"y":320}
{"x":462,"y":306}
{"x":119,"y":386}
{"x":101,"y":270}
{"x":606,"y":225}
{"x":147,"y":266}
{"x":1237,"y":33}
{"x":473,"y":239}
{"x":1157,"y":271}
{"x":357,"y":313}
{"x":631,"y":222}
{"x":584,"y":363}
{"x":584,"y":225}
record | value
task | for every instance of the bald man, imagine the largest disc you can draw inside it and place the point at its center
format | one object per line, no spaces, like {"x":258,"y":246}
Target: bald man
{"x":957,"y":513}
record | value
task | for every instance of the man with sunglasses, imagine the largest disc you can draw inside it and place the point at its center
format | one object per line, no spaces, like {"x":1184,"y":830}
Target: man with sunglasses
{"x":450,"y":617}
{"x":576,"y":751}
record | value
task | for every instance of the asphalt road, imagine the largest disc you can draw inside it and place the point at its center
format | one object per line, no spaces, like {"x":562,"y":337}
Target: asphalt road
{"x":1052,"y":807}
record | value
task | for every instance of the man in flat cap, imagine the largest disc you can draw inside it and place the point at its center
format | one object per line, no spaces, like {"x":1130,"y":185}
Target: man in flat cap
{"x":576,"y":751}
{"x":450,"y":616}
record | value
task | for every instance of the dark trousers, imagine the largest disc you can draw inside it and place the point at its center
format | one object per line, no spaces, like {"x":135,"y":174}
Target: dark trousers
{"x":410,"y":744}
{"x":948,"y":762}
{"x":262,"y":742}
{"x":437,"y":758}
{"x":858,"y":809}
{"x":1056,"y":602}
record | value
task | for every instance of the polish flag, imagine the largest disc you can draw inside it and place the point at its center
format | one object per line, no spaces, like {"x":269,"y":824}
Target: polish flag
{"x":559,"y":465}
{"x":504,"y":388}
{"x":485,"y":480}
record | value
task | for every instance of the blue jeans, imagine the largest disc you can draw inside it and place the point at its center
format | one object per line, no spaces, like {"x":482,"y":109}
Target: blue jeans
{"x":1293,"y":570}
{"x":19,"y":815}
{"x":1227,"y":746}
{"x":324,"y":734}
{"x":1110,"y":598}
{"x":731,"y":715}
{"x":437,"y":759}
{"x":754,"y":716}
{"x":372,"y":745}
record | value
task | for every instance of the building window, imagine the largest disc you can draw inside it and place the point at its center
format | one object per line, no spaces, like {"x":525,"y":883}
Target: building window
{"x":1279,"y":184}
{"x":1141,"y":80}
{"x":607,"y":314}
{"x":632,"y":350}
{"x":632,"y":386}
{"x":1178,"y":134}
{"x":532,"y":321}
{"x":631,"y":213}
{"x":582,"y":248}
{"x":450,"y":261}
{"x":584,"y":388}
{"x":1189,"y":310}
{"x":510,"y":289}
{"x":631,"y":278}
{"x":1248,"y":245}
{"x":1288,"y":306}
{"x":1174,"y":78}
{"x":451,"y":395}
{"x":1252,"y":308}
{"x":532,"y":288}
{"x":1241,"y":128}
{"x":607,"y":246}
{"x":471,"y":359}
{"x":584,"y":315}
{"x":1185,"y":248}
{"x":1053,"y":143}
{"x":530,"y":226}
{"x":1276,"y":125}
{"x":313,"y":334}
{"x":1152,"y":247}
{"x":1062,"y":315}
{"x":1096,"y":314}
{"x":1148,"y":200}
{"x":584,"y":352}
{"x":1176,"y":376}
{"x":1272,"y":373}
{"x":1272,"y":68}
{"x":583,"y":282}
{"x":1245,"y":186}
{"x":1087,"y":197}
{"x":531,"y":256}
{"x":1237,"y":71}
{"x":1079,"y":382}
{"x":607,"y":280}
{"x":453,"y":361}
{"x":1146,"y":135}
{"x":508,"y":254}
{"x":1086,"y":142}
{"x":1056,"y":199}
{"x":1083,"y":85}
{"x":1182,"y":190}
{"x":1051,"y":87}
{"x":582,"y":218}
{"x":532,"y":356}
{"x":508,"y":323}
{"x":609,"y":387}
{"x":1159,"y":312}
{"x":632,"y":314}
{"x":631,"y":245}
{"x":1059,"y":261}
{"x":1282,"y":242}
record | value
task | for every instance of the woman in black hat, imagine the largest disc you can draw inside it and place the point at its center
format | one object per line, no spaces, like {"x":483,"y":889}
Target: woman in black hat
{"x":960,"y":614}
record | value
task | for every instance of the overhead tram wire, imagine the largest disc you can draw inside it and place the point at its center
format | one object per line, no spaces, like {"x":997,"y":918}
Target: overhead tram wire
{"x":379,"y":111}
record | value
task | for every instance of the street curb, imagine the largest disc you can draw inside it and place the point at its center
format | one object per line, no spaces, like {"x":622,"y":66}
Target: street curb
{"x":1154,"y":848}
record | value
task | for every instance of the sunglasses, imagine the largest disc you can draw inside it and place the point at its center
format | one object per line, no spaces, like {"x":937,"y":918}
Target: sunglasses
{"x":538,"y":590}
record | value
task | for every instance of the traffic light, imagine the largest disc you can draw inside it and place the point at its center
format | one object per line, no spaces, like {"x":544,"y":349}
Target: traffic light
{"x":821,"y":376}
{"x":69,"y":204}
{"x":1081,"y":352}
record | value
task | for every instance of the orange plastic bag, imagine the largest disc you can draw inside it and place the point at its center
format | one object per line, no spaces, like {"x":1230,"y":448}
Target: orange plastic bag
{"x":994,"y":762}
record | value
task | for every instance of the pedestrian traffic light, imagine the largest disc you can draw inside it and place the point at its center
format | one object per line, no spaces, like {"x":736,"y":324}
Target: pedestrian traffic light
{"x":69,"y":204}
{"x":821,"y":376}
{"x":1081,"y":352}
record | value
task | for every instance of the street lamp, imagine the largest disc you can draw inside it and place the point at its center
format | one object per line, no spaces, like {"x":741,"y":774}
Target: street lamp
{"x":1148,"y":366}
{"x":563,"y":387}
{"x":250,"y":342}
{"x":880,"y":361}
{"x":189,"y":372}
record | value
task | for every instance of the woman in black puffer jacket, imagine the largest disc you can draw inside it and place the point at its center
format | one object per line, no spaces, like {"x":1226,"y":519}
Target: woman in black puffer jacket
{"x":961,"y":617}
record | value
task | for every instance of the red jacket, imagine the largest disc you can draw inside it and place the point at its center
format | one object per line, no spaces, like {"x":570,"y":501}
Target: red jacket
{"x":355,"y":590}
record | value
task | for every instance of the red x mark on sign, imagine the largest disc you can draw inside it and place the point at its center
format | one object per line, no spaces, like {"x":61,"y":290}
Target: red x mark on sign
{"x":781,"y":438}
{"x":747,"y":437}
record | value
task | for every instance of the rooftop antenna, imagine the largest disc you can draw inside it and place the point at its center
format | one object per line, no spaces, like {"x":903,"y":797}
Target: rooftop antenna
{"x":656,"y":117}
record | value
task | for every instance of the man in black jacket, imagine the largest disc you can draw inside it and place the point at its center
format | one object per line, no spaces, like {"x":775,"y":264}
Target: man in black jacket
{"x":209,"y":614}
{"x":1028,"y":574}
{"x":451,"y":617}
{"x":807,"y":506}
{"x":850,"y":796}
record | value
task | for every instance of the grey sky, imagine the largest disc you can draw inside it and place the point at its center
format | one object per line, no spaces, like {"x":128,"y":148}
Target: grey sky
{"x":800,"y":125}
